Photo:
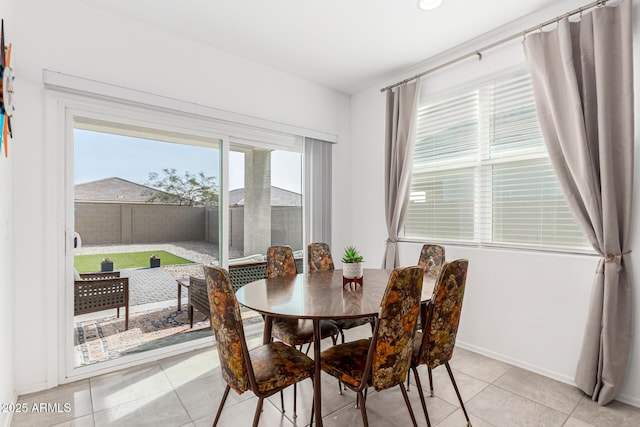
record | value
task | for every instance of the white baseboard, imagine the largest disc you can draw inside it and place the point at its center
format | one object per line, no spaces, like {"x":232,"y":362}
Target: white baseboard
{"x":33,"y":388}
{"x":519,"y":363}
{"x":7,"y":417}
{"x":629,"y":400}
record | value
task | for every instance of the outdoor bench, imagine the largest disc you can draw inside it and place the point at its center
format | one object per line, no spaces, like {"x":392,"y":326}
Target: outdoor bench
{"x":101,"y":291}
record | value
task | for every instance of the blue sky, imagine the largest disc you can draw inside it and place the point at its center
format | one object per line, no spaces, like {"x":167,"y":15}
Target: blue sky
{"x":100,"y":155}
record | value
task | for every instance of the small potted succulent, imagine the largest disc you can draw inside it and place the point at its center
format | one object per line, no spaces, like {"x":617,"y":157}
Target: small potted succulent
{"x":352,"y":263}
{"x":154,"y":261}
{"x":106,"y":264}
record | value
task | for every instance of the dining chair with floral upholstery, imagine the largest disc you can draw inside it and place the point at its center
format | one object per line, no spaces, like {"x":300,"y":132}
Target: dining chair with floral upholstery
{"x":280,"y":262}
{"x":434,"y":345}
{"x":382,"y":361}
{"x":320,"y":259}
{"x":264,"y":370}
{"x":295,"y":332}
{"x":432,"y":258}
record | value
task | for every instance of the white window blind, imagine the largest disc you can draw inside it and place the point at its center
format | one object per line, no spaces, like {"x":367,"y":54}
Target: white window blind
{"x":481,"y":173}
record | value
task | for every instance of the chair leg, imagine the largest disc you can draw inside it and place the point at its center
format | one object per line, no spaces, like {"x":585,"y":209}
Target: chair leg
{"x":406,"y":401}
{"x":364,"y":395}
{"x":224,"y":399}
{"x":341,"y":336}
{"x":408,"y":380}
{"x":313,"y":385}
{"x":363,"y":409}
{"x":126,"y":318}
{"x":455,"y":386}
{"x":256,"y":417}
{"x":295,"y":395}
{"x":421,"y":394}
{"x":430,"y":382}
{"x":282,"y":401}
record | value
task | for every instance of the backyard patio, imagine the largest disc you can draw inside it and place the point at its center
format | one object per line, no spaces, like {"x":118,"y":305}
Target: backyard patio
{"x":154,"y":318}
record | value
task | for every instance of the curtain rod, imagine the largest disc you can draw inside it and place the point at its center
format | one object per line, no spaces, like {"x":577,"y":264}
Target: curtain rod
{"x":478,"y":52}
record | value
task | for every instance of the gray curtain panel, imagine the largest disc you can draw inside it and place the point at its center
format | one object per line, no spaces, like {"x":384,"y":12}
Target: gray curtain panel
{"x":399,"y":143}
{"x":582,"y":75}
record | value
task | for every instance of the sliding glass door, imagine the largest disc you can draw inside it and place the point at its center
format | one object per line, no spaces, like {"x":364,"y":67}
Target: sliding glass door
{"x":151,"y":197}
{"x":265,"y":201}
{"x":146,"y":219}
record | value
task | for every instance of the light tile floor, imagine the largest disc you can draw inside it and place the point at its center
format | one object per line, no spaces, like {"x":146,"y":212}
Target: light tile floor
{"x":185,"y":391}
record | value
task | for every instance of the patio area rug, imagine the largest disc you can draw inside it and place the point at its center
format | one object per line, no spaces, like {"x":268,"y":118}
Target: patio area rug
{"x":105,"y":338}
{"x":102,"y":339}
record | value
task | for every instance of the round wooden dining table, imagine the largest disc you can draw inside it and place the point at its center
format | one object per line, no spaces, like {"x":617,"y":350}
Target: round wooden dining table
{"x":318,"y":296}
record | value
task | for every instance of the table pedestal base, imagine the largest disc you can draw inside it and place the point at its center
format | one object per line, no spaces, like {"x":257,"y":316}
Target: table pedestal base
{"x":352,"y":280}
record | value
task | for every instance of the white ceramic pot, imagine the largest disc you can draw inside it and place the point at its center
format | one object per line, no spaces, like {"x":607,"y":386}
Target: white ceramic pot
{"x":352,"y":270}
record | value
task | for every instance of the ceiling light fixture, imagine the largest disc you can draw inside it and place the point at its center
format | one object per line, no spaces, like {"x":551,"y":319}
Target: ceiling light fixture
{"x":429,"y":4}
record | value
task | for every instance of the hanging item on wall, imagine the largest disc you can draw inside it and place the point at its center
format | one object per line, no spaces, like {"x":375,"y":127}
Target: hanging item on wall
{"x":6,"y":92}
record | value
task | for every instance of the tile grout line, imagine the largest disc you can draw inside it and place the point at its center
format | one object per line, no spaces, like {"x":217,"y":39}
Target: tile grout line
{"x":110,"y":374}
{"x":93,"y":412}
{"x":173,"y":388}
{"x":535,"y":401}
{"x":576,"y":406}
{"x":492,"y":383}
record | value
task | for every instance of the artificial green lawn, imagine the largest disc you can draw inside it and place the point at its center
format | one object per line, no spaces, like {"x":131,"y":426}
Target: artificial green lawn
{"x":91,"y":263}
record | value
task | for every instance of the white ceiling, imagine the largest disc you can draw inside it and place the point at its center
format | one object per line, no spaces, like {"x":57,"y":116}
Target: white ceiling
{"x":347,"y":45}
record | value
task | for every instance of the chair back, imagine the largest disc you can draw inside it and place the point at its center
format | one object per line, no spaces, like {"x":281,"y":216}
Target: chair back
{"x":319,"y":256}
{"x":227,"y":327}
{"x":439,"y":337}
{"x":99,"y":276}
{"x":280,"y":262}
{"x":432,"y":259}
{"x":198,"y":295}
{"x":396,"y":327}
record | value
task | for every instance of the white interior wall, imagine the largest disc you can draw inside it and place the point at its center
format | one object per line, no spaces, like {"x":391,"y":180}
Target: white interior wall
{"x":522,"y":307}
{"x":7,"y":271}
{"x":7,"y":378}
{"x":75,"y":39}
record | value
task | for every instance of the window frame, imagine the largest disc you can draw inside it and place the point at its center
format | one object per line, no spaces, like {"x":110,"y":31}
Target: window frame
{"x":482,"y":164}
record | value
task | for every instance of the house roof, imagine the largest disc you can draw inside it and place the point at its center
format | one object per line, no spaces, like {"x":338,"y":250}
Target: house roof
{"x":114,"y":190}
{"x":120,"y":190}
{"x":279,"y":197}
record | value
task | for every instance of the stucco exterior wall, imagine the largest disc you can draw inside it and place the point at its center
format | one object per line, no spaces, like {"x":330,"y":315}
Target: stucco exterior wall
{"x":106,"y":223}
{"x":125,"y":223}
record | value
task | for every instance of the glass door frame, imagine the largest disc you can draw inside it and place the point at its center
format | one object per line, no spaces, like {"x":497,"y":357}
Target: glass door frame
{"x":66,"y":95}
{"x":147,"y":118}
